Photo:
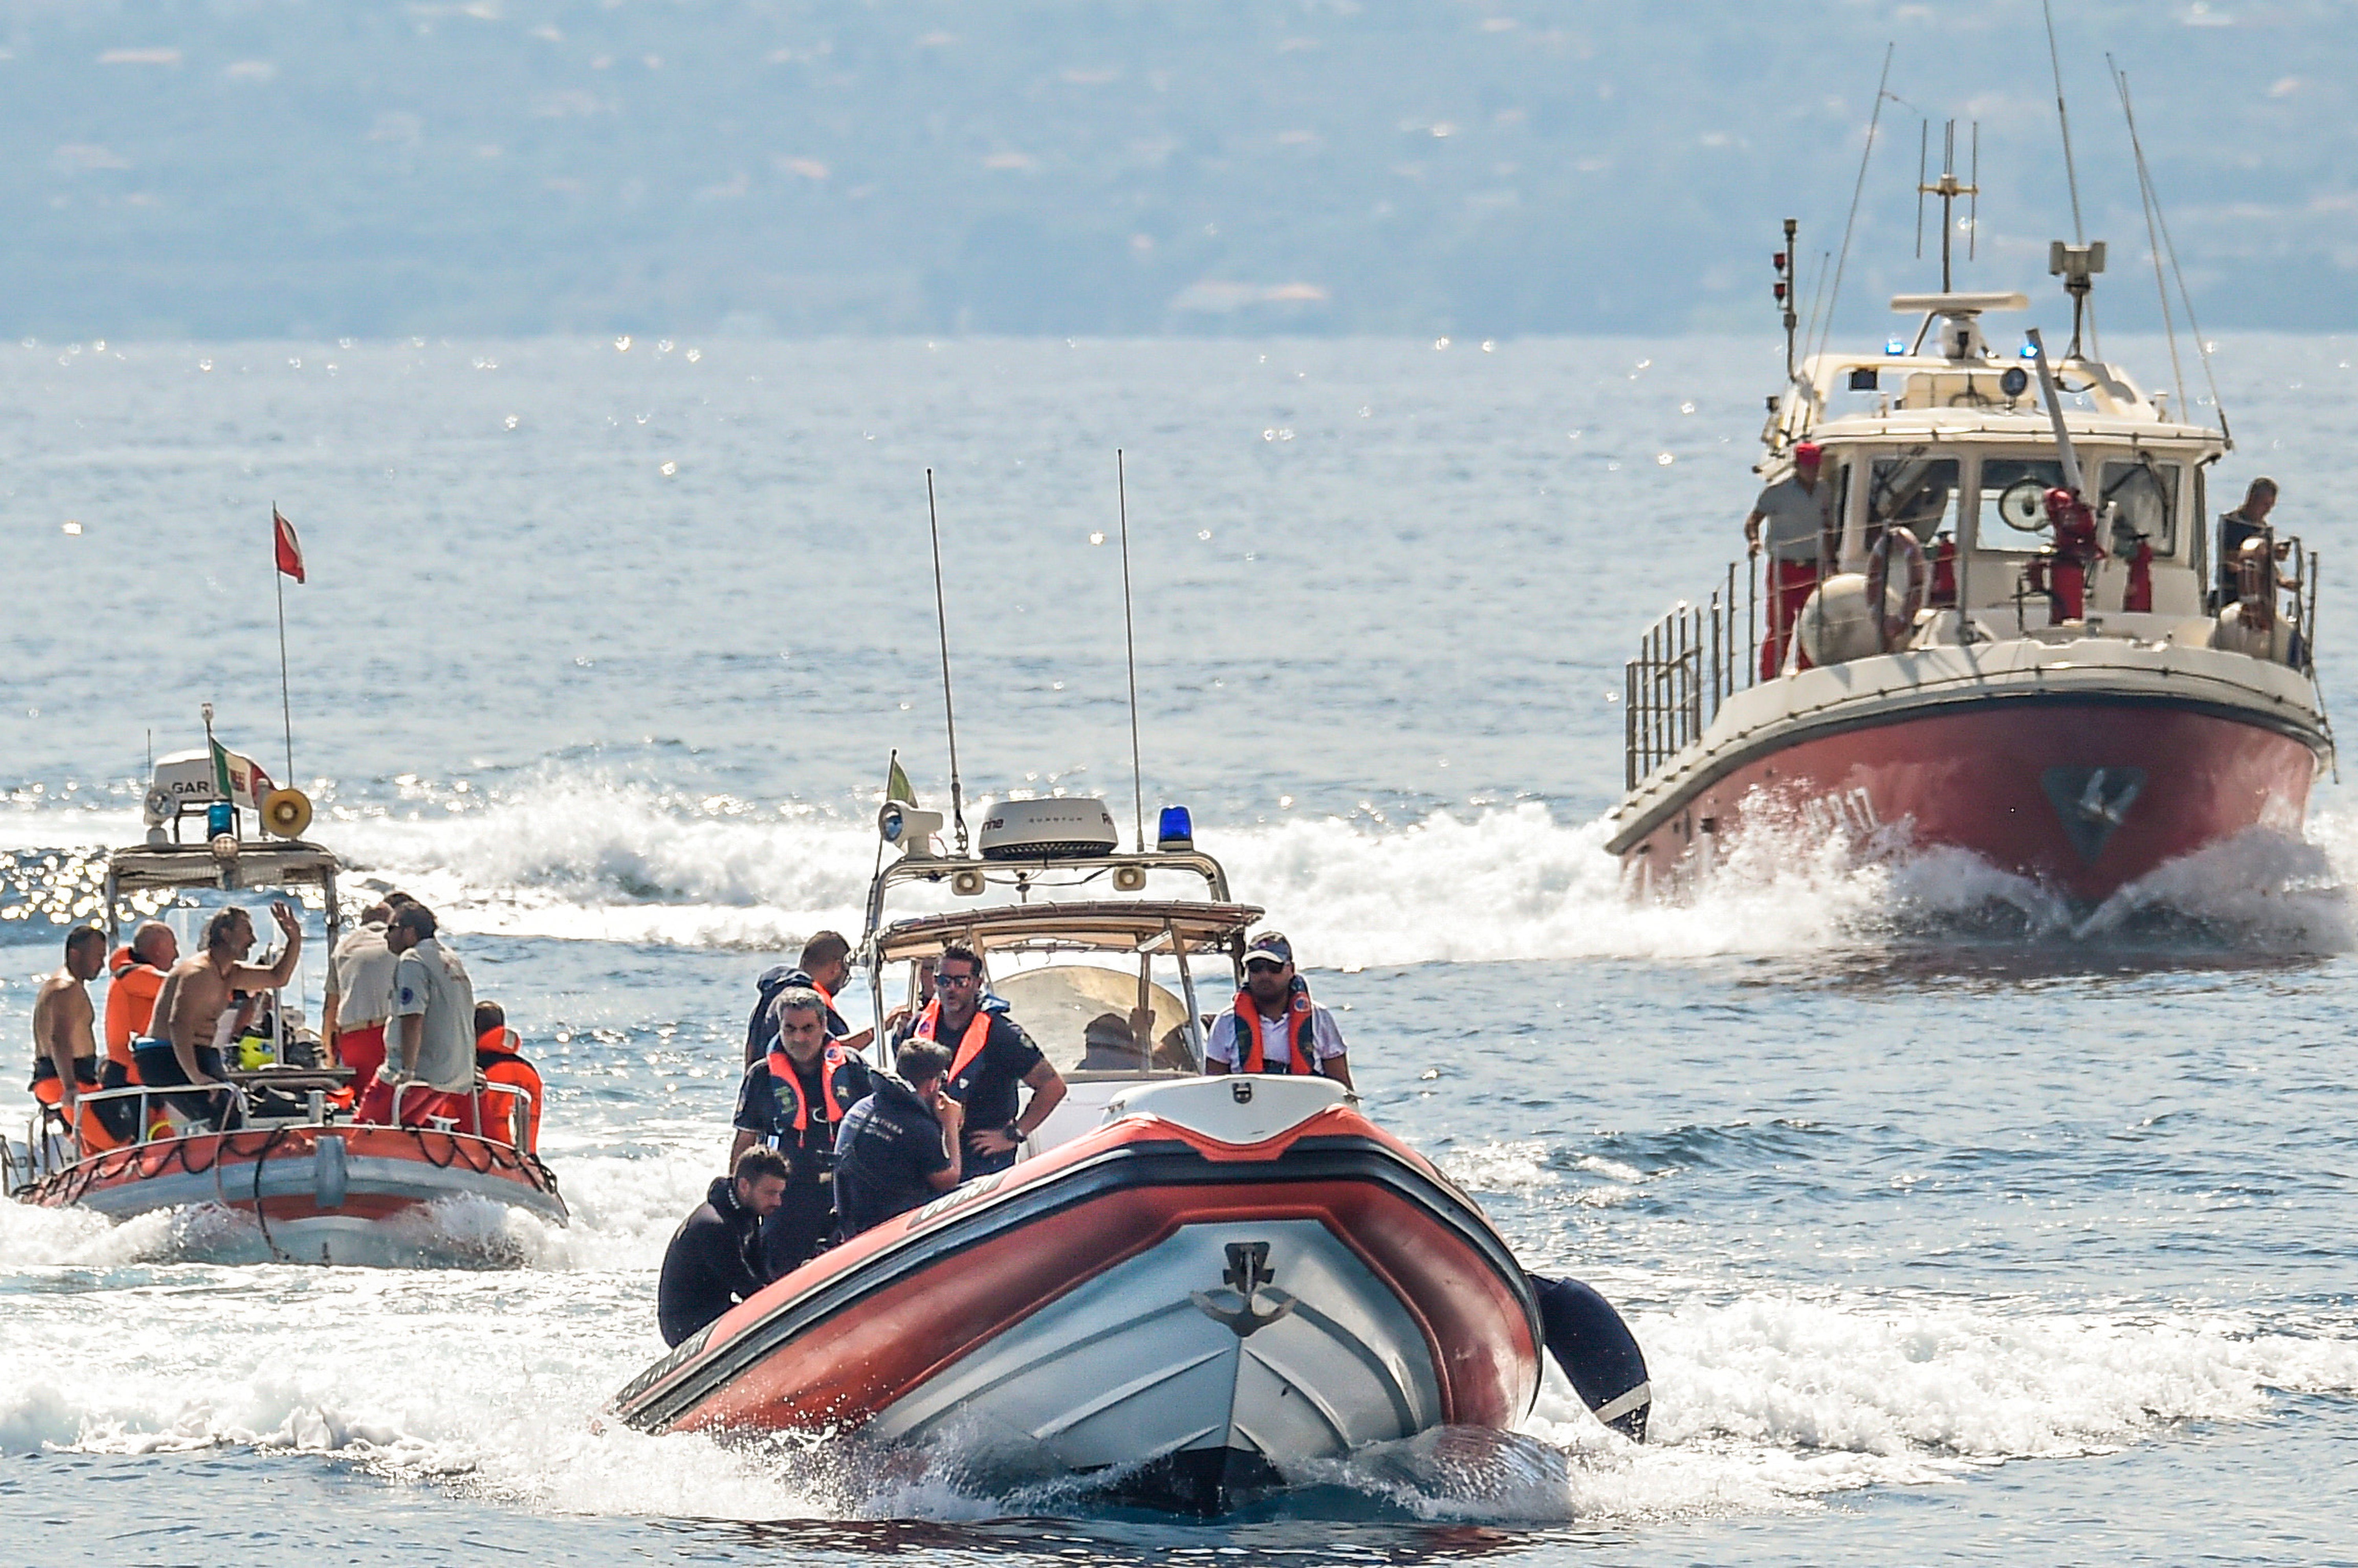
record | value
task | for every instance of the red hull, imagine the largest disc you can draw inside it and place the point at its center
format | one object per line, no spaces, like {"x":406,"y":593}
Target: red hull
{"x":2011,"y":781}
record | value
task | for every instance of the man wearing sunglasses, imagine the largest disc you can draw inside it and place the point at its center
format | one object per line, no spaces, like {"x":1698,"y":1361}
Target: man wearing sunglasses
{"x":1288,"y":1033}
{"x":991,"y":1060}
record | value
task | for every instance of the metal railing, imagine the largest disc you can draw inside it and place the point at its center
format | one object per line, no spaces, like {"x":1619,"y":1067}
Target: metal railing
{"x":1688,"y":663}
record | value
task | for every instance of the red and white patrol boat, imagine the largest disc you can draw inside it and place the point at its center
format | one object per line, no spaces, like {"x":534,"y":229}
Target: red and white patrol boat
{"x":2063,"y":686}
{"x":1192,"y":1284}
{"x":318,"y":1187}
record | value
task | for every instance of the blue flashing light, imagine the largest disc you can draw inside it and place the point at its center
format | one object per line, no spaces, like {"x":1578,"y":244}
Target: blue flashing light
{"x":221,"y":817}
{"x":2029,"y":351}
{"x":1177,"y":831}
{"x":1895,"y":347}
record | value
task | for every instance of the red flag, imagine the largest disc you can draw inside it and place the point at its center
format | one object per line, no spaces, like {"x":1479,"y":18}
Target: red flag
{"x":290,"y":548}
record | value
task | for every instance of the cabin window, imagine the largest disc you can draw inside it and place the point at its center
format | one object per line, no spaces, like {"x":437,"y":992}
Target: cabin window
{"x":2012,"y":513}
{"x":1916,"y":493}
{"x":2147,"y":495}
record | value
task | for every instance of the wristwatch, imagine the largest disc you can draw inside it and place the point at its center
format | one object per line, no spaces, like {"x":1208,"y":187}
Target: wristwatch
{"x":1015,"y":1133}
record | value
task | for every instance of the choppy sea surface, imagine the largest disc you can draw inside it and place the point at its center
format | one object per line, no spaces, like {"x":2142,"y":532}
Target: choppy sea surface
{"x":1956,"y":1226}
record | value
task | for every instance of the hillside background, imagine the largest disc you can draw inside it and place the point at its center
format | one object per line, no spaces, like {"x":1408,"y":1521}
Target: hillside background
{"x":299,"y":167}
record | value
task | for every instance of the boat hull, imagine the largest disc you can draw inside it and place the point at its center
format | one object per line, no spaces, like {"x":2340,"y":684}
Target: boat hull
{"x":1182,"y":1317}
{"x":343,"y":1195}
{"x":2074,"y":786}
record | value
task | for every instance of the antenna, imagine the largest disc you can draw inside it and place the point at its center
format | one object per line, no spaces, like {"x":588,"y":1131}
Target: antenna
{"x":2145,"y":180}
{"x":1923,"y":157}
{"x":1873,"y":123}
{"x":1130,"y":645}
{"x":1948,"y":188}
{"x":1974,"y":209}
{"x":2080,"y":302}
{"x":942,"y":624}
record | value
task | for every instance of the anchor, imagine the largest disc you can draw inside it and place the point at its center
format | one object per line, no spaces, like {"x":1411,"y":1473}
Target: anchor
{"x":2091,"y":803}
{"x":1247,"y":1275}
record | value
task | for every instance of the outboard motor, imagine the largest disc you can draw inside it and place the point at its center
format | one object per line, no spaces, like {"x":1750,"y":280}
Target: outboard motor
{"x":1597,"y":1352}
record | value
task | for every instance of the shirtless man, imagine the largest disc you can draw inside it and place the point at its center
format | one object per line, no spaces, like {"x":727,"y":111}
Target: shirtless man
{"x":65,"y":1045}
{"x":199,"y":990}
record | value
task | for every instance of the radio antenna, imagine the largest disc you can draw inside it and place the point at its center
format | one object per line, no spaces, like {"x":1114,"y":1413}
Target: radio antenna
{"x":2071,"y":172}
{"x":1130,"y":646}
{"x":2161,"y":222}
{"x":942,"y":624}
{"x":1873,"y":123}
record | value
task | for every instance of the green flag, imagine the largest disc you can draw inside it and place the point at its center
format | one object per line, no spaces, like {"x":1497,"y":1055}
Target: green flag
{"x":897,"y":786}
{"x":221,"y":770}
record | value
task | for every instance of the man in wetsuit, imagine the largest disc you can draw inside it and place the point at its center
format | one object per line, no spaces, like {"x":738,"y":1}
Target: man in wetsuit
{"x":793,"y":1100}
{"x":194,"y":996}
{"x":714,"y":1261}
{"x":991,"y":1059}
{"x":900,"y":1146}
{"x":65,"y":1046}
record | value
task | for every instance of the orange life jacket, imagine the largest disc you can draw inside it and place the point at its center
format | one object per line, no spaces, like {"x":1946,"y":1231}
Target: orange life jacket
{"x":130,"y":1005}
{"x":970,"y":1044}
{"x":496,"y":1057}
{"x":834,"y":1088}
{"x":1301,"y":1045}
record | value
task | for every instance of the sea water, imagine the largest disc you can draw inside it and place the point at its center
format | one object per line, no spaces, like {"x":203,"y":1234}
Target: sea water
{"x":1956,"y":1225}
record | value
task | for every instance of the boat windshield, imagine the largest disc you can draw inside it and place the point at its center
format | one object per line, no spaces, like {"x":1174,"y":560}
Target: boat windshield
{"x":1919,"y":494}
{"x":1085,"y":1019}
{"x":2146,"y":494}
{"x":2013,"y":510}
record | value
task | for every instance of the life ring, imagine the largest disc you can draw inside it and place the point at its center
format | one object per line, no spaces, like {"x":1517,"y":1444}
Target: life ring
{"x":1891,"y":631}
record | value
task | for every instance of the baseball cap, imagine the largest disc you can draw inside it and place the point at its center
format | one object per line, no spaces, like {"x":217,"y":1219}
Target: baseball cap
{"x":1269,"y":945}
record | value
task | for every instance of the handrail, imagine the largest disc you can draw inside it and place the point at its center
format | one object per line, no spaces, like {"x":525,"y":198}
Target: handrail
{"x":39,"y":1136}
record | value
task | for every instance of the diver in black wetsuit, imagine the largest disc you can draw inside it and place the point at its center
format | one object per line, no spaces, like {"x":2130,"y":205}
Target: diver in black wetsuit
{"x":714,"y":1261}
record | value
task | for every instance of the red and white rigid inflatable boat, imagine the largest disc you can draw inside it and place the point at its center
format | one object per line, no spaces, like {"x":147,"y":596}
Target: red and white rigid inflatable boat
{"x":1230,"y":1276}
{"x":319,"y":1188}
{"x":1191,"y":1285}
{"x":2078,"y":708}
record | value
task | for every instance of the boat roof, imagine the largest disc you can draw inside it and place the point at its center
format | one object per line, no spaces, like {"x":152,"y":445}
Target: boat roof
{"x":1109,"y":925}
{"x":1949,"y":385}
{"x":275,"y":862}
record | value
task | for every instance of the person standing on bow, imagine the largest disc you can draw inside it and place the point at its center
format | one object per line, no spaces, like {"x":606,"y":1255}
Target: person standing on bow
{"x":1800,"y":536}
{"x":991,"y":1060}
{"x":1288,"y":1033}
{"x":793,"y":1100}
{"x":825,"y":967}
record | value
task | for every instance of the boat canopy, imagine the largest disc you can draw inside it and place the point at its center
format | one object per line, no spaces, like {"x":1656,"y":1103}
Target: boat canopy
{"x":266,"y":863}
{"x":1142,"y":926}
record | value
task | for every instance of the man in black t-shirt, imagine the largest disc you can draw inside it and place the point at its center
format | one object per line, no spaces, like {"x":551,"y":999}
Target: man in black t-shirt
{"x":793,"y":1100}
{"x":900,"y":1146}
{"x":991,"y":1060}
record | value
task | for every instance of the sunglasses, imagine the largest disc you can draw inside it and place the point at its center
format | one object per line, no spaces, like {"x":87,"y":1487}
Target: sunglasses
{"x":941,"y":979}
{"x":1264,"y":966}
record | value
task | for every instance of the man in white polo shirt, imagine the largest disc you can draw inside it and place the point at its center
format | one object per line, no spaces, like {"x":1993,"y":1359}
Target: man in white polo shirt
{"x":429,"y":1046}
{"x":1288,"y":1033}
{"x":1799,"y":513}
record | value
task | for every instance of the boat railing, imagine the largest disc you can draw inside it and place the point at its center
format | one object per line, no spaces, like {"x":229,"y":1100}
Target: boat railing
{"x":1688,"y":663}
{"x":51,"y":1143}
{"x":475,"y":1104}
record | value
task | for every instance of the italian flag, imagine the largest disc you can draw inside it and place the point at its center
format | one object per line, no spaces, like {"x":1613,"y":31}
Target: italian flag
{"x":239,"y":779}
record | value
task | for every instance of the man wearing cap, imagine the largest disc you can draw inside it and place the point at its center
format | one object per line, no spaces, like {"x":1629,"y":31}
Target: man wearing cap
{"x":1289,"y":1032}
{"x":1799,"y":513}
